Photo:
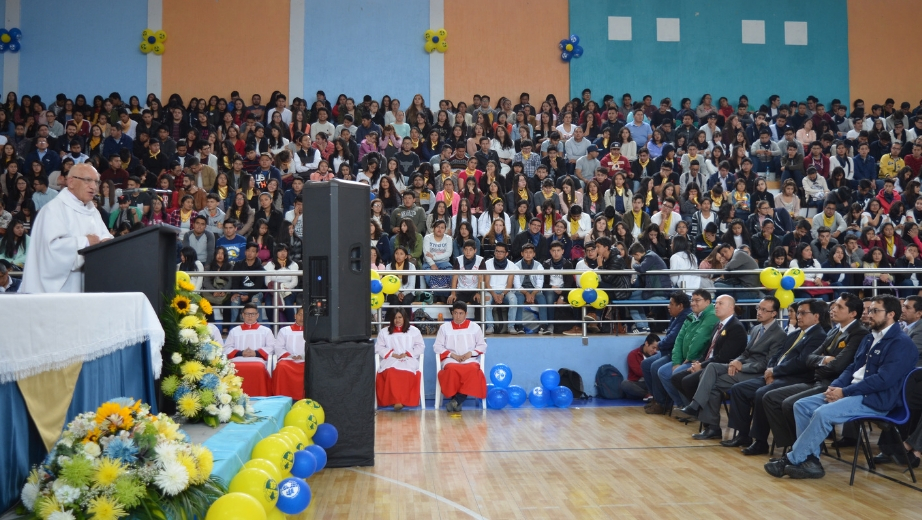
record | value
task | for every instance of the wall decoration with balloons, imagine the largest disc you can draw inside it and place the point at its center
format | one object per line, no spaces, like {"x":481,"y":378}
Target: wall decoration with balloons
{"x":783,"y":283}
{"x":436,"y":40}
{"x":570,"y":48}
{"x":381,"y":286}
{"x":588,"y":292}
{"x":10,"y":40}
{"x":153,"y":41}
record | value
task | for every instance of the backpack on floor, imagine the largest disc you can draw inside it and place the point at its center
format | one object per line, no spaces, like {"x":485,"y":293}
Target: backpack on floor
{"x":608,"y":382}
{"x":572,"y":380}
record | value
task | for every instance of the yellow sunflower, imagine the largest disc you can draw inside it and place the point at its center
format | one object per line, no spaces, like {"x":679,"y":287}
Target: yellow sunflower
{"x":181,"y":304}
{"x":119,"y":417}
{"x":205,"y":306}
{"x":186,"y":286}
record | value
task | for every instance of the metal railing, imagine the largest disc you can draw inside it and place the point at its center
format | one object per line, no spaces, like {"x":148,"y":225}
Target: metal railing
{"x":273,"y":307}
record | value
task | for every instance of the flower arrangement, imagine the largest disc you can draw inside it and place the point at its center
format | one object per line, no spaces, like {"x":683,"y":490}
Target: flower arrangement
{"x":118,"y":461}
{"x":197,"y":375}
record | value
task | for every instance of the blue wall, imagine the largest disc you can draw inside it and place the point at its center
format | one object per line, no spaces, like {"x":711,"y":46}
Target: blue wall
{"x":353,"y":49}
{"x":88,"y":47}
{"x":710,"y":56}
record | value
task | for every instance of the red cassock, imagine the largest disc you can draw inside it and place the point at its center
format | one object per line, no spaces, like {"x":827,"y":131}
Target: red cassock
{"x":288,"y":378}
{"x":465,"y":377}
{"x":398,"y":379}
{"x":253,"y":370}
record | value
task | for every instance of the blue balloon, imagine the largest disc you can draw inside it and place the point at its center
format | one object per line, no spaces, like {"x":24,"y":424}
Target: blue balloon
{"x":2,"y":47}
{"x":294,"y":496}
{"x":788,"y":283}
{"x":562,"y":397}
{"x":326,"y":436}
{"x":574,"y":38}
{"x":14,"y":46}
{"x":320,"y":455}
{"x":565,"y":56}
{"x":590,"y":295}
{"x":501,"y":375}
{"x":517,"y":396}
{"x":550,"y":379}
{"x":563,"y":44}
{"x":497,"y":398}
{"x":490,"y":387}
{"x":305,"y":464}
{"x":376,"y":286}
{"x":577,"y":51}
{"x":15,"y":33}
{"x":539,"y":397}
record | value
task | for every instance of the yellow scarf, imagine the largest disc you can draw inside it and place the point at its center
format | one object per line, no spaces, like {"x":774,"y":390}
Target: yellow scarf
{"x":549,"y":222}
{"x":891,"y":247}
{"x":666,"y":221}
{"x":494,"y":198}
{"x":523,"y":193}
{"x":828,"y":221}
{"x":716,"y":200}
{"x":222,"y":192}
{"x":94,"y":141}
{"x":448,"y":197}
{"x":593,"y":197}
{"x":637,"y":217}
{"x":643,"y":164}
{"x":611,"y":223}
{"x":574,"y":226}
{"x":184,"y":215}
{"x":619,"y":191}
{"x":649,"y":198}
{"x":522,"y":223}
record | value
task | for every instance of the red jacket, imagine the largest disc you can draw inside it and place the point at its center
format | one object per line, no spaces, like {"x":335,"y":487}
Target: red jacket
{"x":822,"y":167}
{"x":884,"y":203}
{"x":634,"y":359}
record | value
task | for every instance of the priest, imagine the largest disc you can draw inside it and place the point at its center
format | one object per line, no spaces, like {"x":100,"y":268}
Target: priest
{"x":459,"y":345}
{"x":249,"y":347}
{"x":288,"y":378}
{"x":67,"y":224}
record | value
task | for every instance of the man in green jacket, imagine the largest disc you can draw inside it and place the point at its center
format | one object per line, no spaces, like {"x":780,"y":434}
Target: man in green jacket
{"x":692,"y":342}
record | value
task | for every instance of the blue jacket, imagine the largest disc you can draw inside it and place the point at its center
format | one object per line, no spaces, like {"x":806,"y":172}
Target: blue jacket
{"x":888,"y":363}
{"x":672,"y":332}
{"x":112,"y":147}
{"x":51,"y":161}
{"x":866,"y":169}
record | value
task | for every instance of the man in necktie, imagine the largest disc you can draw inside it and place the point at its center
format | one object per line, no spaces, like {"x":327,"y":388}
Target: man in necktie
{"x":787,"y":367}
{"x":827,"y":362}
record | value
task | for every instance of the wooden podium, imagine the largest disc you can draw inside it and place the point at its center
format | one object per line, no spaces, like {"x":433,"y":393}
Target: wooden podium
{"x":142,"y":261}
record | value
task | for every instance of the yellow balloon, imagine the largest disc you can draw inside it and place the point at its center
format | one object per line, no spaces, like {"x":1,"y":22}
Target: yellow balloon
{"x":182,"y":276}
{"x":145,"y":47}
{"x":785,"y":297}
{"x":264,"y":465}
{"x":257,"y":484}
{"x":770,"y":278}
{"x":289,"y":439}
{"x":428,"y":35}
{"x":601,"y":301}
{"x":429,"y":47}
{"x":589,"y":280}
{"x":274,"y":450}
{"x":377,"y":300}
{"x":275,"y":514}
{"x":442,"y":34}
{"x":314,"y":407}
{"x":302,"y":418}
{"x":161,"y":36}
{"x":297,"y":432}
{"x":575,"y":297}
{"x":158,"y":48}
{"x":797,"y":275}
{"x":236,"y":506}
{"x":442,"y":46}
{"x":145,"y":33}
{"x":391,"y":284}
{"x":375,"y":275}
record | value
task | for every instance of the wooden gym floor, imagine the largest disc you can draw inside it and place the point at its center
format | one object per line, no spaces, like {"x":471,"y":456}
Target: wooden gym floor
{"x":588,"y":463}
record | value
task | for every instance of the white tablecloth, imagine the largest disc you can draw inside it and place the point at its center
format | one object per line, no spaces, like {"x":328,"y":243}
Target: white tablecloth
{"x":42,"y":332}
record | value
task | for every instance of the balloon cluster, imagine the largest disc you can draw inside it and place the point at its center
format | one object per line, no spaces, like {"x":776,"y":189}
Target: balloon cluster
{"x":381,"y":286}
{"x":570,"y":47}
{"x":436,"y":40}
{"x":784,"y":283}
{"x":152,"y":41}
{"x":10,"y":40}
{"x":588,"y":294}
{"x":502,"y":392}
{"x":272,"y":483}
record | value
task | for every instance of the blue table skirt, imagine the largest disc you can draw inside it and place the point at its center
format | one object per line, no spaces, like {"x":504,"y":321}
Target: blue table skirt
{"x":124,"y":373}
{"x":233,"y":443}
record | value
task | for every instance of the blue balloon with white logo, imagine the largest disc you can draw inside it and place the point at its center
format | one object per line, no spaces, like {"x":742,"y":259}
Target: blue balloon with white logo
{"x":501,"y":375}
{"x":539,"y":397}
{"x":294,"y":496}
{"x":561,"y":397}
{"x":788,"y":283}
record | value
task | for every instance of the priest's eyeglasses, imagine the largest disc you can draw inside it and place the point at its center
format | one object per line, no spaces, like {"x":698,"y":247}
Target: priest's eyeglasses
{"x":84,"y":179}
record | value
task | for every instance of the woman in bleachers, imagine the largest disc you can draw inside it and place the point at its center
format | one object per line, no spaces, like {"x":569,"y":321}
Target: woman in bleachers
{"x":464,"y":231}
{"x":402,"y":262}
{"x":285,"y":284}
{"x":466,"y":213}
{"x":409,"y":238}
{"x":683,"y":259}
{"x":241,"y":211}
{"x":189,"y":262}
{"x":157,"y":213}
{"x":399,"y":345}
{"x":876,"y":258}
{"x":654,"y":240}
{"x":263,"y":238}
{"x":837,"y":260}
{"x":440,"y":212}
{"x":15,"y":243}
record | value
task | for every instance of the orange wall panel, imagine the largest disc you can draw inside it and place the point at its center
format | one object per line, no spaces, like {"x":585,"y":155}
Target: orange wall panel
{"x":877,"y":30}
{"x":506,"y":48}
{"x":219,"y":46}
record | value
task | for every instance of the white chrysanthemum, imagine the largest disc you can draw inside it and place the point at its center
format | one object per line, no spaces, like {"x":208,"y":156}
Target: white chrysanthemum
{"x":91,"y":450}
{"x":193,"y":308}
{"x":166,"y":451}
{"x":224,"y":413}
{"x":188,"y":336}
{"x":173,"y":479}
{"x":176,"y":358}
{"x":220,"y":389}
{"x":224,"y":398}
{"x":68,"y":441}
{"x":29,"y":494}
{"x":66,"y":494}
{"x":61,"y":515}
{"x":239,"y":411}
{"x":211,"y":409}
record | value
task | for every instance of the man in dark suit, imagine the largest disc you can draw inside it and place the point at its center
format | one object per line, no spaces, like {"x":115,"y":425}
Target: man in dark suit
{"x":828,"y":361}
{"x":787,"y":367}
{"x":765,"y":340}
{"x":871,"y":385}
{"x":8,"y":284}
{"x":727,"y":342}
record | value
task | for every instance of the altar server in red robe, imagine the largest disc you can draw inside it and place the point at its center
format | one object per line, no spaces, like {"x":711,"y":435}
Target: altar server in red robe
{"x":400,"y":345}
{"x":288,"y":378}
{"x":249,"y":347}
{"x":459,"y":345}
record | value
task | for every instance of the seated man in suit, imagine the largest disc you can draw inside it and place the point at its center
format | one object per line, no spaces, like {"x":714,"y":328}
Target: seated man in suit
{"x":828,"y":361}
{"x":726,"y":342}
{"x":8,"y":284}
{"x":765,"y":340}
{"x":692,"y":341}
{"x":871,"y":385}
{"x":787,"y":367}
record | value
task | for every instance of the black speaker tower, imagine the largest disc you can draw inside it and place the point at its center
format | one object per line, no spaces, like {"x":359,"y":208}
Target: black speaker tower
{"x":339,"y":362}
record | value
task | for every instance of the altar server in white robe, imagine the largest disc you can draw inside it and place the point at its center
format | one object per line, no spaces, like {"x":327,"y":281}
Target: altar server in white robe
{"x":399,"y":345}
{"x":459,"y":345}
{"x":249,"y":347}
{"x":67,"y":224}
{"x":288,"y":377}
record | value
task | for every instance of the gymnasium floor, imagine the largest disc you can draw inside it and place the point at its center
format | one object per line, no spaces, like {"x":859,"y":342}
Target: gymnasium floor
{"x":585,"y":463}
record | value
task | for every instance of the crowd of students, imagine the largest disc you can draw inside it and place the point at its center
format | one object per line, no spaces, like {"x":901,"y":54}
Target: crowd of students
{"x":611,"y":185}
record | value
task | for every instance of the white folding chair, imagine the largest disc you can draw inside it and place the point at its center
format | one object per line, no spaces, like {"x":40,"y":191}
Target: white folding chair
{"x":438,"y":387}
{"x":422,"y":384}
